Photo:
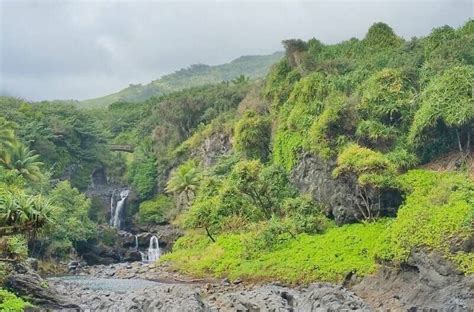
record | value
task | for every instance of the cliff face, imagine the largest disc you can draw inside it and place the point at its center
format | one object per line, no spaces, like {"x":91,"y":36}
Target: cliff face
{"x":214,"y":146}
{"x":338,"y":196}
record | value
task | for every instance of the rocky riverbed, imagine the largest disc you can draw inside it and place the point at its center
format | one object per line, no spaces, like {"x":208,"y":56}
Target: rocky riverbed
{"x":101,"y":294}
{"x":426,"y":283}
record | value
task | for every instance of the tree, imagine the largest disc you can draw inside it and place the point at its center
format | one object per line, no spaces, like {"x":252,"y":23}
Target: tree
{"x":447,"y":99}
{"x":386,"y":106}
{"x":295,"y":49}
{"x":20,"y":158}
{"x":252,"y":136}
{"x":7,"y":136}
{"x":184,"y":180}
{"x":242,"y":79}
{"x":23,"y":213}
{"x":74,"y":224}
{"x":380,"y":35}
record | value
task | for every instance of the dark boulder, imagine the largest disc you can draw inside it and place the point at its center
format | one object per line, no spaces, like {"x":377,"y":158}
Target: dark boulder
{"x":131,"y":256}
{"x":28,"y":284}
{"x":339,"y":196}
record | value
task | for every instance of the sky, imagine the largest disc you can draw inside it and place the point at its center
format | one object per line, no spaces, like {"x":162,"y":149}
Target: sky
{"x":85,"y":49}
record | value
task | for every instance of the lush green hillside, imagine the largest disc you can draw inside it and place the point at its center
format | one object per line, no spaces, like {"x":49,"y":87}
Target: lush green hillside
{"x":227,"y":162}
{"x":196,"y":75}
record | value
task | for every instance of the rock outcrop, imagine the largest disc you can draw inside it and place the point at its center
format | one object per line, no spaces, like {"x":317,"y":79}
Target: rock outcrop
{"x":24,"y":281}
{"x":339,"y":196}
{"x":427,"y":282}
{"x":214,"y":146}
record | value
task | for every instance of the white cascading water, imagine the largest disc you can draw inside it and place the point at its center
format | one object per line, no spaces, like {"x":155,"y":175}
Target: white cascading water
{"x":118,"y":209}
{"x":136,"y":242}
{"x":153,"y":253}
{"x":112,"y":208}
{"x":153,"y":249}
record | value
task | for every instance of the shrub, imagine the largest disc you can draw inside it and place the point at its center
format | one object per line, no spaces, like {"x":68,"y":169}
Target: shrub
{"x":17,"y":247}
{"x":305,"y":215}
{"x":72,"y":215}
{"x":11,"y":303}
{"x":156,"y":210}
{"x":375,"y":173}
{"x":448,"y":99}
{"x":252,"y":136}
{"x":327,"y":130}
{"x":142,"y":175}
{"x":286,"y":147}
{"x":386,"y":105}
{"x":371,"y":168}
{"x":438,"y":214}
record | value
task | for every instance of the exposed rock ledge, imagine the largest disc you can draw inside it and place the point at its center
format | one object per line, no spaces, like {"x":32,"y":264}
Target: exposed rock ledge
{"x":426,"y":281}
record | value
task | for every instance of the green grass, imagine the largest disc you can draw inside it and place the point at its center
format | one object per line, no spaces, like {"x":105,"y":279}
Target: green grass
{"x":437,"y":215}
{"x":325,"y":257}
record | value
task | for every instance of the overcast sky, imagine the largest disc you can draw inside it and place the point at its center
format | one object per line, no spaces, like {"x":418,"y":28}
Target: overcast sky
{"x":84,"y":49}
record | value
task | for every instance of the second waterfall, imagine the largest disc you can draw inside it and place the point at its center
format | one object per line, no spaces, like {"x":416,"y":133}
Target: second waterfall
{"x":116,"y":209}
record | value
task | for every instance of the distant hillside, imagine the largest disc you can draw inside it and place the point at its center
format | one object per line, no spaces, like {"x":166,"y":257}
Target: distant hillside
{"x":254,"y":66}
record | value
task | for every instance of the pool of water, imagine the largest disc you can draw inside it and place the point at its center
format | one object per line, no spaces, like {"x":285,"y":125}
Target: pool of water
{"x":108,"y":284}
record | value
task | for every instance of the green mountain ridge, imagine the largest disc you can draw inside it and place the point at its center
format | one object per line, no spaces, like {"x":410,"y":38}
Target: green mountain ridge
{"x":253,"y":66}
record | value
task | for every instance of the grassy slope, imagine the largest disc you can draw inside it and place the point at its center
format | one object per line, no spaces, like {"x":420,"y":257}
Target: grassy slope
{"x":251,"y":66}
{"x":437,"y":215}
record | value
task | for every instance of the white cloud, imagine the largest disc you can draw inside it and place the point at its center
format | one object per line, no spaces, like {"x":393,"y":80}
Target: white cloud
{"x":96,"y":47}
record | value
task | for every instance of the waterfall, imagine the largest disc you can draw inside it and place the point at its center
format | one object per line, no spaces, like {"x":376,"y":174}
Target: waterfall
{"x":136,"y":242}
{"x":112,"y":208}
{"x":153,"y":249}
{"x":153,"y":252}
{"x":115,"y":218}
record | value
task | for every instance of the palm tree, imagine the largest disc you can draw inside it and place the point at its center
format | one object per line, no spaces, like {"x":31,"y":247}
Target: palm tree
{"x":20,"y":158}
{"x":185,"y":180}
{"x":7,"y":136}
{"x":242,"y":79}
{"x":23,"y":213}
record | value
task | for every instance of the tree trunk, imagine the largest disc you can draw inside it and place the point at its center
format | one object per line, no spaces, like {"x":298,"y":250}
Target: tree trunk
{"x":459,"y":141}
{"x":209,"y":235}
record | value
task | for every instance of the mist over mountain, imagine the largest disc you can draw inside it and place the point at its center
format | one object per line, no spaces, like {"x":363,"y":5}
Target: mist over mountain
{"x":196,"y":75}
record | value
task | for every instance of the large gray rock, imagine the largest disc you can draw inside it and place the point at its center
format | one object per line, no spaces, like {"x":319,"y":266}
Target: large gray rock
{"x":339,"y":196}
{"x":266,"y":298}
{"x":28,"y":284}
{"x":426,"y":282}
{"x":162,"y":297}
{"x":327,"y":297}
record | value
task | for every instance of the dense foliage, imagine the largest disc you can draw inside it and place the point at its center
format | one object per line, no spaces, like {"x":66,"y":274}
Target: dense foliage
{"x":218,"y":160}
{"x":11,"y":303}
{"x":373,"y":108}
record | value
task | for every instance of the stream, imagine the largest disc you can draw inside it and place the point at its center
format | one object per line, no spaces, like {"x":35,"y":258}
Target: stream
{"x":116,"y":285}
